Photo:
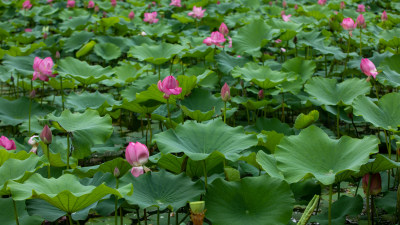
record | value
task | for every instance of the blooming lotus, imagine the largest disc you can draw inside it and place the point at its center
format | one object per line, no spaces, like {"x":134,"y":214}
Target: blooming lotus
{"x":136,"y":154}
{"x":361,"y":8}
{"x":26,"y":5}
{"x":216,"y":39}
{"x":322,"y":2}
{"x":197,"y":12}
{"x":170,"y":86}
{"x":223,"y":29}
{"x":43,"y":68}
{"x":7,"y":143}
{"x":113,"y":3}
{"x":286,"y":18}
{"x":360,"y":22}
{"x":70,"y":4}
{"x":150,"y":17}
{"x":368,"y":68}
{"x":90,"y":4}
{"x":176,"y":3}
{"x":225,"y":93}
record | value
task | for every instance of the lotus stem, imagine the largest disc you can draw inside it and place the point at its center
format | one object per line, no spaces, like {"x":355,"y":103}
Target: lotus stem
{"x":338,"y":122}
{"x":138,"y":215}
{"x":169,"y":216}
{"x":176,"y":218}
{"x":62,"y":92}
{"x":389,"y":148}
{"x":68,"y":148}
{"x":15,"y":212}
{"x":145,"y":216}
{"x":330,"y":205}
{"x":116,"y":204}
{"x":70,"y":219}
{"x":283,"y":108}
{"x":29,"y":115}
{"x":158,"y":216}
{"x":41,"y":97}
{"x":326,"y":67}
{"x":205,"y":174}
{"x":48,"y":157}
{"x":347,"y":57}
{"x":159,"y":72}
{"x":169,"y":113}
{"x":358,"y":185}
{"x":225,"y":112}
{"x":338,"y":190}
{"x":360,"y":42}
{"x":367,"y":198}
{"x":376,"y":91}
{"x":121,"y":216}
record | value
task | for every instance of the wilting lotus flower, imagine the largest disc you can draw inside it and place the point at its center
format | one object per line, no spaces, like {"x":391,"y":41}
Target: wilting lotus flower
{"x":170,"y":86}
{"x":225,"y":93}
{"x":361,"y":8}
{"x":286,"y":18}
{"x":322,"y":2}
{"x":197,"y":12}
{"x":131,"y":15}
{"x":90,"y":4}
{"x":150,"y":17}
{"x":216,"y":39}
{"x":43,"y":68}
{"x":46,"y":136}
{"x":384,"y":16}
{"x":136,"y":154}
{"x":113,"y":3}
{"x":361,"y":21}
{"x":176,"y":3}
{"x":375,"y":186}
{"x":368,"y":68}
{"x":70,"y":4}
{"x":34,"y":143}
{"x":7,"y":144}
{"x":26,"y":5}
{"x":137,"y":171}
{"x":223,"y":29}
{"x":342,"y":5}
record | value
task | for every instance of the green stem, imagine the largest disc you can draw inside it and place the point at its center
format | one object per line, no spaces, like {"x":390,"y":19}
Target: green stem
{"x":338,"y":190}
{"x":376,"y":90}
{"x":158,"y":216}
{"x":347,"y":57}
{"x":169,"y":113}
{"x":149,"y":125}
{"x":138,"y":215}
{"x":360,"y":42}
{"x":367,"y":198}
{"x":41,"y":97}
{"x":338,"y":122}
{"x":70,"y":219}
{"x":15,"y":212}
{"x":48,"y":157}
{"x":225,"y":112}
{"x":159,"y":72}
{"x":176,"y":218}
{"x":121,"y":216}
{"x":283,"y":108}
{"x":330,"y":206}
{"x":326,"y":67}
{"x":205,"y":174}
{"x":116,"y":204}
{"x":68,"y":148}
{"x":389,"y":148}
{"x":62,"y":92}
{"x":169,"y":217}
{"x":145,"y":216}
{"x":29,"y":122}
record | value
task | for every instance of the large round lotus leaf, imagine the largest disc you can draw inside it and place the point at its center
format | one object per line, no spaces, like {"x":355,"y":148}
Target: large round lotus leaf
{"x":253,"y":200}
{"x":200,"y":105}
{"x":162,"y":189}
{"x":199,"y":140}
{"x":250,"y":38}
{"x":7,"y":215}
{"x":302,"y":67}
{"x":83,"y":72}
{"x":17,"y":170}
{"x":85,"y":100}
{"x":313,"y":153}
{"x":326,"y":91}
{"x":385,"y":114}
{"x":156,"y":29}
{"x":76,"y":40}
{"x":65,"y":192}
{"x":155,"y":54}
{"x":5,"y":155}
{"x":17,"y":111}
{"x":107,"y":167}
{"x":270,"y":124}
{"x":20,"y":64}
{"x":263,"y":76}
{"x":226,"y":62}
{"x":378,"y":164}
{"x":107,"y":51}
{"x":87,"y":129}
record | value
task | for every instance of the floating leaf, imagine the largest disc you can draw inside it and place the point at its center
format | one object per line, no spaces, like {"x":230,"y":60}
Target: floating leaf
{"x":155,"y":54}
{"x":107,"y":51}
{"x":303,"y":120}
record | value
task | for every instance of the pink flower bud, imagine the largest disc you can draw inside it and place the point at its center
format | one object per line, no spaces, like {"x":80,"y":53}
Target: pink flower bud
{"x":261,"y":94}
{"x":368,"y":68}
{"x":131,"y":15}
{"x":342,"y":5}
{"x":223,"y":29}
{"x":384,"y":16}
{"x":70,"y":4}
{"x":225,"y":93}
{"x":113,"y":3}
{"x":361,"y":8}
{"x":375,"y":186}
{"x":96,"y":8}
{"x":137,"y":154}
{"x":150,"y":17}
{"x":116,"y":172}
{"x":170,"y":86}
{"x":361,"y":21}
{"x":46,"y":136}
{"x":197,"y":12}
{"x":58,"y":55}
{"x":321,"y":2}
{"x":348,"y":24}
{"x":284,"y":4}
{"x":26,"y":5}
{"x":296,"y":7}
{"x":176,"y":3}
{"x":90,"y":4}
{"x":286,"y":18}
{"x":7,"y":143}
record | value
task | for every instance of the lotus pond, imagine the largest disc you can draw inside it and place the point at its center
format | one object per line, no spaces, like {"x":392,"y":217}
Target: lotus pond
{"x":199,"y":112}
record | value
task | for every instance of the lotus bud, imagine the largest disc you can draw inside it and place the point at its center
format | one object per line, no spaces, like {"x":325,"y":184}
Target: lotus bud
{"x":225,"y":93}
{"x":361,"y":21}
{"x":116,"y":172}
{"x":131,"y":15}
{"x":137,"y":154}
{"x":32,"y":95}
{"x":96,"y":8}
{"x":261,"y":94}
{"x":46,"y":135}
{"x":384,"y":16}
{"x":58,"y":55}
{"x":342,"y":5}
{"x":296,"y":7}
{"x":375,"y":186}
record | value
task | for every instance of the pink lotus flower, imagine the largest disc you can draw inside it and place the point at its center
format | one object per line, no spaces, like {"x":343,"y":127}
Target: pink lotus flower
{"x":150,"y":17}
{"x":260,"y":94}
{"x":284,"y":4}
{"x":278,"y":41}
{"x":70,"y":4}
{"x":90,"y":4}
{"x":348,"y":24}
{"x":384,"y":16}
{"x":43,"y":68}
{"x":225,"y":93}
{"x":46,"y":136}
{"x":283,"y":50}
{"x":197,"y":12}
{"x":368,"y":68}
{"x":137,"y":154}
{"x":361,"y":8}
{"x":96,"y":8}
{"x":131,"y":15}
{"x":296,"y":7}
{"x":113,"y":3}
{"x":176,"y":3}
{"x":342,"y":5}
{"x":361,"y":21}
{"x":223,"y":29}
{"x":7,"y":144}
{"x":28,"y":30}
{"x":137,"y":171}
{"x":26,"y":5}
{"x":170,"y":86}
{"x":216,"y":39}
{"x":286,"y":18}
{"x":322,"y":2}
{"x":375,"y":187}
{"x":49,"y":1}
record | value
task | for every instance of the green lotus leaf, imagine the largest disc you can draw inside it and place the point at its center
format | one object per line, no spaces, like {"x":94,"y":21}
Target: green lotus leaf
{"x":198,"y":140}
{"x":107,"y":167}
{"x":75,"y":23}
{"x":250,"y":38}
{"x":327,"y":91}
{"x":18,"y":171}
{"x":87,"y":129}
{"x":390,"y":71}
{"x":268,"y":164}
{"x":76,"y":40}
{"x":253,"y":200}
{"x":200,"y":105}
{"x":163,"y":190}
{"x":262,"y":76}
{"x":303,"y":120}
{"x":378,"y":164}
{"x":85,"y":49}
{"x":137,"y":107}
{"x":107,"y":51}
{"x":153,"y":96}
{"x":17,"y":111}
{"x":313,"y":153}
{"x":226,"y":63}
{"x":270,"y":124}
{"x":156,"y":29}
{"x":86,"y":100}
{"x":155,"y":54}
{"x":187,"y":84}
{"x":20,"y":64}
{"x":7,"y":215}
{"x":183,"y":18}
{"x":65,"y":192}
{"x":383,"y":114}
{"x":83,"y":72}
{"x":122,"y":42}
{"x":300,"y":66}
